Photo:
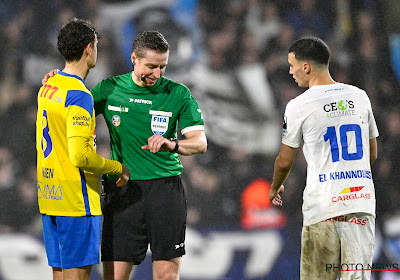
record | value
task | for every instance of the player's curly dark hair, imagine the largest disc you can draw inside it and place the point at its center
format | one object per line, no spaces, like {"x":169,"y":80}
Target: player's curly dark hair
{"x":150,"y":40}
{"x":74,"y":36}
{"x":311,"y":48}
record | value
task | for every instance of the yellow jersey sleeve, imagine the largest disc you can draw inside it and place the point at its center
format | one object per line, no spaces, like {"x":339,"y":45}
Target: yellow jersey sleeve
{"x":82,"y":156}
{"x":81,"y":152}
{"x":79,"y":113}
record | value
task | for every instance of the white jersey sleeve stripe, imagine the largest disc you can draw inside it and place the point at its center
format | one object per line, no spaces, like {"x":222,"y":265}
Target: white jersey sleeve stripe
{"x":192,"y":128}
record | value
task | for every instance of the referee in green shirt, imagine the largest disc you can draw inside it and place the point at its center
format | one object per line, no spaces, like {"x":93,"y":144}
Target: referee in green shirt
{"x":142,"y":110}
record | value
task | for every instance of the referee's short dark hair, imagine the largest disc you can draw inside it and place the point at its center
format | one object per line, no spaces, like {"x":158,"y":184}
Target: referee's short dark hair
{"x":311,"y":49}
{"x":74,"y":36}
{"x":150,"y":40}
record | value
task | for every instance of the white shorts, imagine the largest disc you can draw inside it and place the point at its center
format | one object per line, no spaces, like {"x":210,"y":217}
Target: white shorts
{"x":342,"y":246}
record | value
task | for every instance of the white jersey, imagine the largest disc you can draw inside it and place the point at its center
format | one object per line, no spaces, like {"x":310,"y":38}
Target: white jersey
{"x":334,"y":123}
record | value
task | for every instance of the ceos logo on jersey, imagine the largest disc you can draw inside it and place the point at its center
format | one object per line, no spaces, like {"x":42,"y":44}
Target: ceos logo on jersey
{"x":341,"y":105}
{"x":159,"y":121}
{"x":340,"y":108}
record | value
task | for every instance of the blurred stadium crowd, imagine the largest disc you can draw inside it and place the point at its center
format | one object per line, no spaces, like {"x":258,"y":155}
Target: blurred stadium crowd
{"x":233,"y":57}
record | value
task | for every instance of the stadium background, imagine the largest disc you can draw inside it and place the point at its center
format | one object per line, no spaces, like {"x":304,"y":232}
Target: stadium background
{"x":233,"y":56}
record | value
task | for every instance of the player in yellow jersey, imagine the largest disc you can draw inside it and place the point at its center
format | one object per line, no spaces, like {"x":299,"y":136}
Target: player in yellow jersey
{"x":67,"y":163}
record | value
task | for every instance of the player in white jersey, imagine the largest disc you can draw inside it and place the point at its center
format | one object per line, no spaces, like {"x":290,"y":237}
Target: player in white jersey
{"x":334,"y":124}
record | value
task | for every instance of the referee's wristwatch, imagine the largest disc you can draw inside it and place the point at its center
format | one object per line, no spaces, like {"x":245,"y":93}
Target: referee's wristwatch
{"x":176,"y":145}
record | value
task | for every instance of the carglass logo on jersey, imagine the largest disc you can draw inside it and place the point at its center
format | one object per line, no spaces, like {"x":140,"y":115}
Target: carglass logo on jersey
{"x":351,"y":194}
{"x":339,"y":109}
{"x":49,"y":192}
{"x":347,"y":219}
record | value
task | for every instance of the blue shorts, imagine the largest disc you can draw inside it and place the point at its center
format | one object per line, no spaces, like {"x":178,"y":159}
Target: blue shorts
{"x":72,"y":241}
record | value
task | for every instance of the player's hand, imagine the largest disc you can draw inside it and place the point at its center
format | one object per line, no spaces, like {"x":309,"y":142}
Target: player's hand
{"x":157,"y":143}
{"x":274,"y":196}
{"x":123,"y":177}
{"x":49,"y":75}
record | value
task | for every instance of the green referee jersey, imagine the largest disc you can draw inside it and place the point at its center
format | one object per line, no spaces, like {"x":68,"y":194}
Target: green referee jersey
{"x":134,"y":113}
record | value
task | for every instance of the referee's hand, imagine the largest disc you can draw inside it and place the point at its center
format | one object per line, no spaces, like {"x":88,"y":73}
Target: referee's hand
{"x":158,"y":143}
{"x":49,"y":75}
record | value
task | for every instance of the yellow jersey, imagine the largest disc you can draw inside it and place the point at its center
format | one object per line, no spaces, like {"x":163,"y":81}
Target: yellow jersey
{"x":65,"y":111}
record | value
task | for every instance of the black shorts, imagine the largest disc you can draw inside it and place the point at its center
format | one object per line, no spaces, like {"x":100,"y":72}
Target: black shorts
{"x":142,"y":213}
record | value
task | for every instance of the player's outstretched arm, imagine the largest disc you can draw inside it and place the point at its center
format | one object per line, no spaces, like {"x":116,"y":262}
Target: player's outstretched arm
{"x":83,"y":157}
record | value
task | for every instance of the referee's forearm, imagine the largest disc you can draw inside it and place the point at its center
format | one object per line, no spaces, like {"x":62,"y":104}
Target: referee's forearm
{"x":192,"y":146}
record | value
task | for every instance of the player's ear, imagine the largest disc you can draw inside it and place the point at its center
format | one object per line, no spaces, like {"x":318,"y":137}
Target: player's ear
{"x":306,"y":68}
{"x":88,"y":49}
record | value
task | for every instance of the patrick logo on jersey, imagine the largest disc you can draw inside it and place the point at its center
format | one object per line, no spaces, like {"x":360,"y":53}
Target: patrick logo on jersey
{"x":351,"y":194}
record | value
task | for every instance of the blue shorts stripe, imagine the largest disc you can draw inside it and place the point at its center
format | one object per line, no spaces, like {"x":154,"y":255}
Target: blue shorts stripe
{"x":85,"y":192}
